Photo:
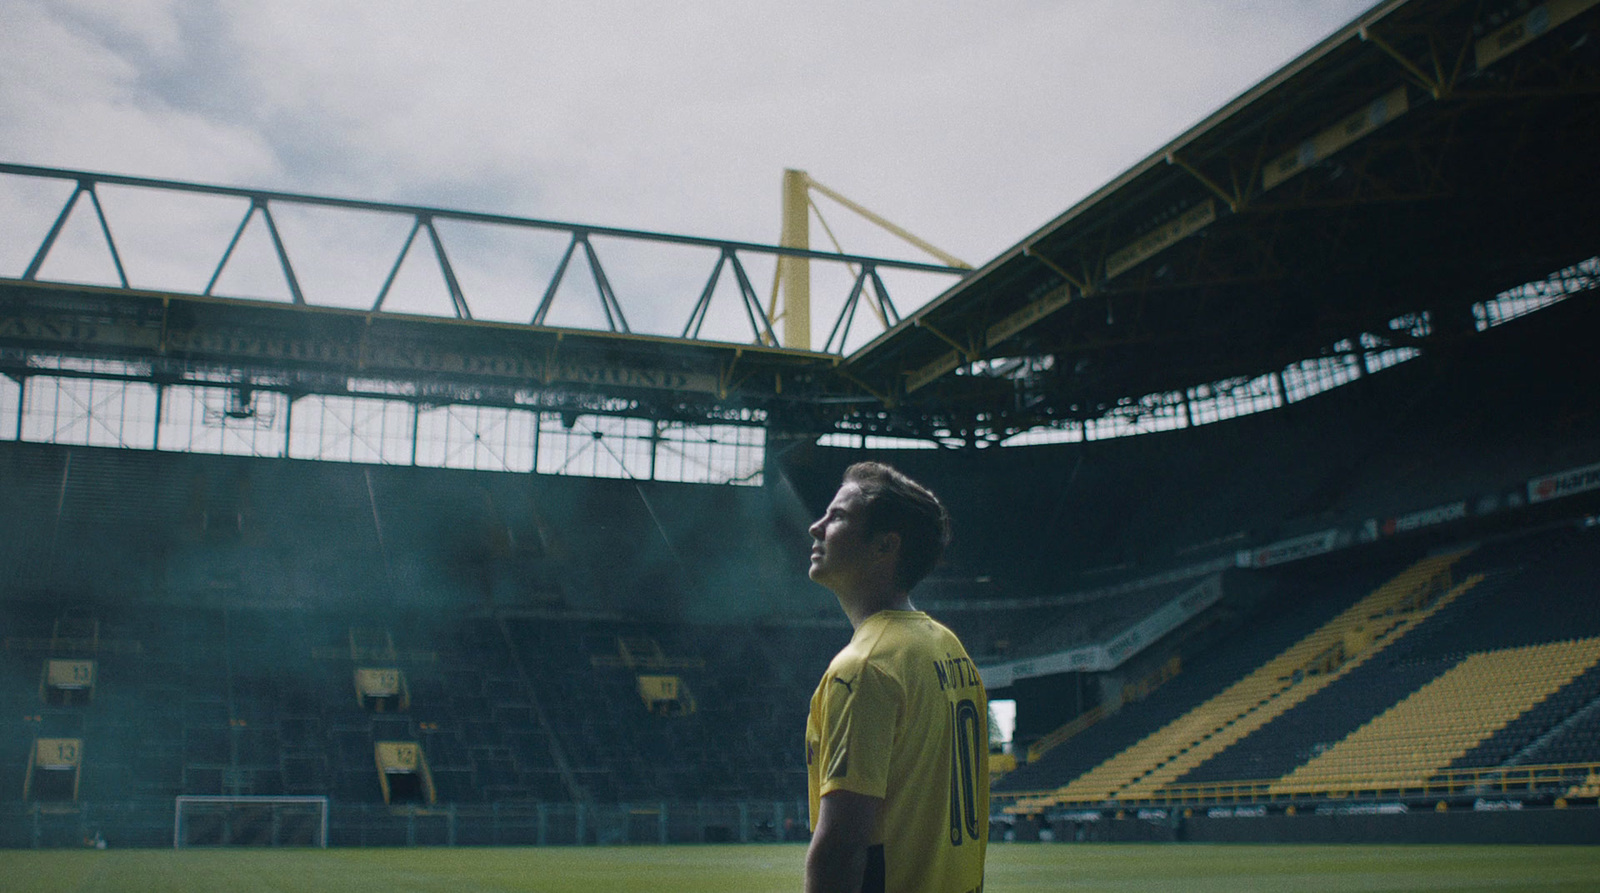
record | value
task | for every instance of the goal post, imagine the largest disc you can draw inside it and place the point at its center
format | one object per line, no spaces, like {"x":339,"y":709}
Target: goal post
{"x":203,"y":820}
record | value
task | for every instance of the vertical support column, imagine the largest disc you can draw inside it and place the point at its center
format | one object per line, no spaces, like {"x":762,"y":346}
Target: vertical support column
{"x":661,"y":824}
{"x":288,"y":422}
{"x":538,"y":431}
{"x":22,"y":400}
{"x":161,"y":395}
{"x":416,"y":421}
{"x":744,"y":821}
{"x":794,"y":273}
{"x":655,"y":446}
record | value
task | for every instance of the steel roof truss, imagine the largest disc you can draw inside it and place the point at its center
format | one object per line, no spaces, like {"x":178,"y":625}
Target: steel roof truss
{"x":615,"y":320}
{"x":85,"y":185}
{"x":608,"y":298}
{"x":760,"y":323}
{"x":458,"y":299}
{"x":555,"y":282}
{"x":258,"y":203}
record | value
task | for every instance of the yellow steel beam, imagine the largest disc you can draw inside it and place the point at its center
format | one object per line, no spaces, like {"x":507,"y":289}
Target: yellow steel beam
{"x":1080,"y":284}
{"x":1435,"y":85}
{"x":794,"y":273}
{"x":921,"y":323}
{"x":1535,"y":23}
{"x":1233,"y":199}
{"x":929,"y":372}
{"x":1161,"y":238}
{"x":948,"y":258}
{"x":791,"y":278}
{"x":885,"y":399}
{"x":872,"y":304}
{"x":1331,"y":139}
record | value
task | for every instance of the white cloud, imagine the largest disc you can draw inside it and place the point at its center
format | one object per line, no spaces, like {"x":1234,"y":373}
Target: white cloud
{"x":72,"y":97}
{"x":970,"y":124}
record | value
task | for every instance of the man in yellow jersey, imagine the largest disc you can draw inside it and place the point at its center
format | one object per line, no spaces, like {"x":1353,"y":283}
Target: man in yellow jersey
{"x":897,"y":743}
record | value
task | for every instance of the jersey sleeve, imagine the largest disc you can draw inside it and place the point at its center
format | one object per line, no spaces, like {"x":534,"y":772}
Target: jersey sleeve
{"x":862,"y":708}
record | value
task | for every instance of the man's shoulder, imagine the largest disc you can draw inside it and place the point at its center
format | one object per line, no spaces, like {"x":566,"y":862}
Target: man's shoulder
{"x":916,"y":631}
{"x":850,"y":660}
{"x":876,"y":650}
{"x":900,"y":647}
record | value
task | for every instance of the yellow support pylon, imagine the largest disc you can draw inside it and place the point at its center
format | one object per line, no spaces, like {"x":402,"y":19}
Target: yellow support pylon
{"x":792,"y":278}
{"x":794,"y":273}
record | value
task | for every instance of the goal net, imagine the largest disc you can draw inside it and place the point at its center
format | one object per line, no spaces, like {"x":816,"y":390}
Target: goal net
{"x":250,"y":821}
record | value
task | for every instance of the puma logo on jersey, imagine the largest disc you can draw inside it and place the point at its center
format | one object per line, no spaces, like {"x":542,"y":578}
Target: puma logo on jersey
{"x":847,"y":683}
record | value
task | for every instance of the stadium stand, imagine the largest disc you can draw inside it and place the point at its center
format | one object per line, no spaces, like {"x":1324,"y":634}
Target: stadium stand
{"x":1440,"y":721}
{"x":1404,"y":560}
{"x":264,"y":702}
{"x":237,"y":689}
{"x":1278,"y":624}
{"x":1266,"y":693}
{"x":1457,"y":689}
{"x":1490,"y":618}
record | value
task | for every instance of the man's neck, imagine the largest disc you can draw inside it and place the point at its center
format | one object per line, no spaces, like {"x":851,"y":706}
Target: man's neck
{"x":859,"y":610}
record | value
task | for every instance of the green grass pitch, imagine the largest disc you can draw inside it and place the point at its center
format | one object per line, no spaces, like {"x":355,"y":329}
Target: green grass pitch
{"x":1013,"y":868}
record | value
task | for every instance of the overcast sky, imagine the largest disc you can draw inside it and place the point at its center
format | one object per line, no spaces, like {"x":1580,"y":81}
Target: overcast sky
{"x":969,"y":123}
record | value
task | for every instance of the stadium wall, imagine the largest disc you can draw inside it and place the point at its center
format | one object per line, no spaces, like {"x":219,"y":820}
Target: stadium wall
{"x":149,"y":824}
{"x":1455,"y":434}
{"x":1461,"y":825}
{"x":1528,"y":826}
{"x":85,"y":524}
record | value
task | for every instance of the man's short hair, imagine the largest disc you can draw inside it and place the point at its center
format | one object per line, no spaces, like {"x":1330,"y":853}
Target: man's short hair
{"x":894,"y":503}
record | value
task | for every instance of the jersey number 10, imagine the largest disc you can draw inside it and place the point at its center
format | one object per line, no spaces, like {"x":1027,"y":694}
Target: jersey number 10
{"x":966,"y":736}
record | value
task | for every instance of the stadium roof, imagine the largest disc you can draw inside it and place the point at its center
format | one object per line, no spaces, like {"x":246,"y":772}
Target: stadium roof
{"x":1423,"y":158}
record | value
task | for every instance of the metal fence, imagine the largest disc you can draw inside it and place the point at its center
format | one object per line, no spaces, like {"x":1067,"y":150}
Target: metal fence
{"x":149,"y":823}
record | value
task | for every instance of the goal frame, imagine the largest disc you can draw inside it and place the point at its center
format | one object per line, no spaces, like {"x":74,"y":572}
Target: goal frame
{"x":320,"y":801}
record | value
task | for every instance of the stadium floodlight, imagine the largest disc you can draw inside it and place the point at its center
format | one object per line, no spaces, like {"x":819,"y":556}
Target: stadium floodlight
{"x":206,"y":820}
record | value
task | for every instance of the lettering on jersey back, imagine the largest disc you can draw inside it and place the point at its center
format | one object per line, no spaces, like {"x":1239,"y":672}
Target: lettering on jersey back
{"x":956,"y":672}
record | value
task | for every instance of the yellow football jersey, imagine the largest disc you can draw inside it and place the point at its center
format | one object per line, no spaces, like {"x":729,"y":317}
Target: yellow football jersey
{"x":902,"y":715}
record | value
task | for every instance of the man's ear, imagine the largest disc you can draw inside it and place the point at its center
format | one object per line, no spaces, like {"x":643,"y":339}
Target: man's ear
{"x":887,"y":543}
